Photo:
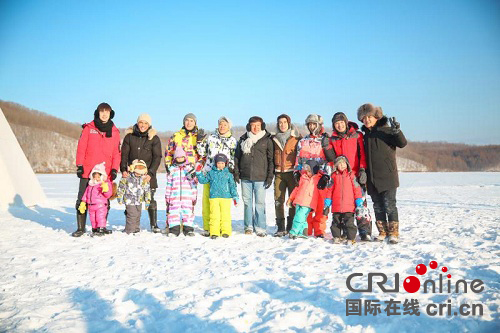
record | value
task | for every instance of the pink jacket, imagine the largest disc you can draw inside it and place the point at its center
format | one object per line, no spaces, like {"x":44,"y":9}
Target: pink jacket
{"x":93,"y":194}
{"x":306,"y":194}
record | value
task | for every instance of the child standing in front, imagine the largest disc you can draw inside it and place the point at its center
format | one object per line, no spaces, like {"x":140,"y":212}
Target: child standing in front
{"x":344,"y":196}
{"x":222,"y":190}
{"x":305,"y":197}
{"x":96,"y":198}
{"x":133,"y":191}
{"x":180,"y":194}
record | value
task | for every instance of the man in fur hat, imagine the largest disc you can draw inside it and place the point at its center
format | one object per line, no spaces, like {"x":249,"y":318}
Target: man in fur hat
{"x":382,"y":136}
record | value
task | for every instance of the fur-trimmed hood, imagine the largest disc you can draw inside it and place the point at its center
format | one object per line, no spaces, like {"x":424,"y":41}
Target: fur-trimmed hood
{"x":341,"y":158}
{"x":151,"y":131}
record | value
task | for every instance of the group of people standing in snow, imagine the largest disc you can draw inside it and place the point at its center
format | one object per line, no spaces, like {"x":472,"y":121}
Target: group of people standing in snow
{"x":319,"y":172}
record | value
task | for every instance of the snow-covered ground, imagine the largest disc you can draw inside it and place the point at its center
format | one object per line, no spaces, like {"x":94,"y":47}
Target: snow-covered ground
{"x":52,"y":282}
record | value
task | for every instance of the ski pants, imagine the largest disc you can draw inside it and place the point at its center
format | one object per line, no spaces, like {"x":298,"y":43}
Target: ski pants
{"x":205,"y":208}
{"x":316,"y":221}
{"x":300,"y":220}
{"x":97,"y":215}
{"x":181,"y":212}
{"x":220,"y":216}
{"x":343,"y":221}
{"x":133,"y":222}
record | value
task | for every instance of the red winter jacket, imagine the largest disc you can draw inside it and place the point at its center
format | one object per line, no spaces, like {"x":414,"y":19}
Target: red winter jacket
{"x":94,"y":148}
{"x":350,"y":145}
{"x":306,"y":194}
{"x":344,"y":192}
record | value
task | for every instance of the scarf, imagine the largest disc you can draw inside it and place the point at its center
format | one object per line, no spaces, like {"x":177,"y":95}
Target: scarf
{"x":252,"y":139}
{"x":284,"y":136}
{"x":105,"y":128}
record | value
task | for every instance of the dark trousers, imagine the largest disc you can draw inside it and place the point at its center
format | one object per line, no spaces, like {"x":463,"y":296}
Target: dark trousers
{"x":384,"y":205}
{"x":343,"y":221}
{"x":84,"y":182}
{"x":283,"y":182}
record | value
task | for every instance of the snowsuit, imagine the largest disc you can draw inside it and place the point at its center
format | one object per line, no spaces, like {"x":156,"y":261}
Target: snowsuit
{"x":133,"y":191}
{"x":343,"y":193}
{"x":310,"y":148}
{"x":305,"y":197}
{"x":207,"y":149}
{"x":186,"y":140}
{"x":284,"y":162}
{"x":180,"y":196}
{"x":222,"y":192}
{"x":97,"y":203}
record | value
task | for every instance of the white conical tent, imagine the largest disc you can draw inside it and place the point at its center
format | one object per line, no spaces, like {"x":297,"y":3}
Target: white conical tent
{"x":18,"y":183}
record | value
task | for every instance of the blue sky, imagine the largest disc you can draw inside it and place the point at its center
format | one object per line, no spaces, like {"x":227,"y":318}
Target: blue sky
{"x":435,"y":65}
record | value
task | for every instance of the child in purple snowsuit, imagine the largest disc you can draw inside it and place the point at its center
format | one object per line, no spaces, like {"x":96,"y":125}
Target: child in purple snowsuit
{"x":96,"y":198}
{"x":181,"y":194}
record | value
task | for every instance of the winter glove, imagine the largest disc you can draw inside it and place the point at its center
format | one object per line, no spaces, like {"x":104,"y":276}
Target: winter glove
{"x":236,"y":178}
{"x":268,"y":183}
{"x":296,"y":176}
{"x":104,"y":187}
{"x":146,"y":206}
{"x":323,"y":181}
{"x":198,"y":166}
{"x":231,"y":169}
{"x":235,"y":201}
{"x":82,"y":208}
{"x":359,"y":202}
{"x":167,"y":169}
{"x":362,"y":176}
{"x":325,"y":142}
{"x":200,"y":135}
{"x":114,"y":173}
{"x":394,"y":125}
{"x":328,"y":202}
{"x":326,"y":211}
{"x":79,"y":171}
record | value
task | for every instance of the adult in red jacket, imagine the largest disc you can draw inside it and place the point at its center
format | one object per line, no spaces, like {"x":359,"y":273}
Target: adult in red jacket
{"x":99,"y":142}
{"x":347,"y":141}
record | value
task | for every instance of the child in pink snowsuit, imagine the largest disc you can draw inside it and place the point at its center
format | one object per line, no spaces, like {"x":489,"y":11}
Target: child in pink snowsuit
{"x":181,"y":194}
{"x":96,"y":198}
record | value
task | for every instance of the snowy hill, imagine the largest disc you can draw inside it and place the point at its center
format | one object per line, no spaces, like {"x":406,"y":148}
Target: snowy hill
{"x":51,"y":282}
{"x":47,"y":151}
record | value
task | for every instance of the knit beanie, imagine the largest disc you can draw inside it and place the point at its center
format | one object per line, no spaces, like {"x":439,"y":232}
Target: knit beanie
{"x":369,"y":110}
{"x":220,"y":158}
{"x":189,"y":116}
{"x":144,"y":117}
{"x":227,"y":120}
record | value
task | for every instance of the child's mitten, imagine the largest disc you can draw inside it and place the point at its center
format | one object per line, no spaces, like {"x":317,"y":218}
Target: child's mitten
{"x":104,"y":187}
{"x":358,"y":202}
{"x":82,"y":208}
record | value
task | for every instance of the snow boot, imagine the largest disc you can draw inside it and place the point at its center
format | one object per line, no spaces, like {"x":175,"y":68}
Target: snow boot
{"x":393,"y":232}
{"x":214,"y":237}
{"x":176,"y":230}
{"x":188,"y":231}
{"x":205,"y":233}
{"x":280,"y":223}
{"x":365,"y":238}
{"x":225,"y":235}
{"x":336,"y":240}
{"x":383,"y":230}
{"x":153,"y":217}
{"x":80,"y":222}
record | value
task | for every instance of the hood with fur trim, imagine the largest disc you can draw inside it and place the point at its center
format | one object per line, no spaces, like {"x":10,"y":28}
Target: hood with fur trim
{"x":341,"y":158}
{"x":101,"y":169}
{"x":134,"y":130}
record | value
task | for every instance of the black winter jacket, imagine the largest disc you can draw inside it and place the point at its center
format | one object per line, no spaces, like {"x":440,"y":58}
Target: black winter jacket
{"x":380,"y":150}
{"x":142,"y":146}
{"x":259,"y":164}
